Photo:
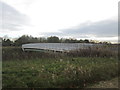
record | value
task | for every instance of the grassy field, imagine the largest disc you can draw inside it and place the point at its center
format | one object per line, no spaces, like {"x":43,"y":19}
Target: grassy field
{"x":61,"y":72}
{"x":76,"y":69}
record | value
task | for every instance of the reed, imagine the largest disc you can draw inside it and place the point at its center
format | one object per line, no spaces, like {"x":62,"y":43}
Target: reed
{"x":13,"y":53}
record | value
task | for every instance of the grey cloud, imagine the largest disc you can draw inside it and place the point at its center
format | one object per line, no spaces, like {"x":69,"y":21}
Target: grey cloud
{"x":107,"y":28}
{"x":12,"y":19}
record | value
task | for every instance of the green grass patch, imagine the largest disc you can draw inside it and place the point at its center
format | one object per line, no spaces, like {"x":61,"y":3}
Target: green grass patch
{"x":57,"y":72}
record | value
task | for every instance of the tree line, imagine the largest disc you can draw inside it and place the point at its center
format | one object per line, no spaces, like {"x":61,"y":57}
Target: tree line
{"x":52,"y":39}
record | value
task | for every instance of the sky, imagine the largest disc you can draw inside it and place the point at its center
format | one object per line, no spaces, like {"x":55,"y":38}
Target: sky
{"x":81,"y":19}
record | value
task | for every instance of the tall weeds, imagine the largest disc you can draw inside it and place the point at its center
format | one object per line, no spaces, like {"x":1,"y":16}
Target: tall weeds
{"x":13,"y":53}
{"x":97,"y":51}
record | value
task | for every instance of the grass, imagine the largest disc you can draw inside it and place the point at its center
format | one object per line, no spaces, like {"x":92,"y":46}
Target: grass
{"x":58,"y":72}
{"x":13,"y":53}
{"x":78,"y":68}
{"x":113,"y":83}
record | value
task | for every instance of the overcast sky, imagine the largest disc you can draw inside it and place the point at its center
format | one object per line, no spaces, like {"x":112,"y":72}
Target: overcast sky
{"x":90,"y":19}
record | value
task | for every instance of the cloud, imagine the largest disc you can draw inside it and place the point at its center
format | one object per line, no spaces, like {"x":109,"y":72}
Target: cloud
{"x":12,"y":20}
{"x":101,"y":29}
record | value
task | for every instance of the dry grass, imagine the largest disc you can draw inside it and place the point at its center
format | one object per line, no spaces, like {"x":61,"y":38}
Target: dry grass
{"x":57,"y":73}
{"x":97,"y":51}
{"x":113,"y":83}
{"x":13,"y":53}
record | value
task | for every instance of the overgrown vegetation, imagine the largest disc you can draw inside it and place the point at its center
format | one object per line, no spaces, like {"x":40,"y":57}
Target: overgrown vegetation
{"x":65,"y":72}
{"x":13,"y":53}
{"x":77,"y":68}
{"x":96,"y":51}
{"x":16,"y":53}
